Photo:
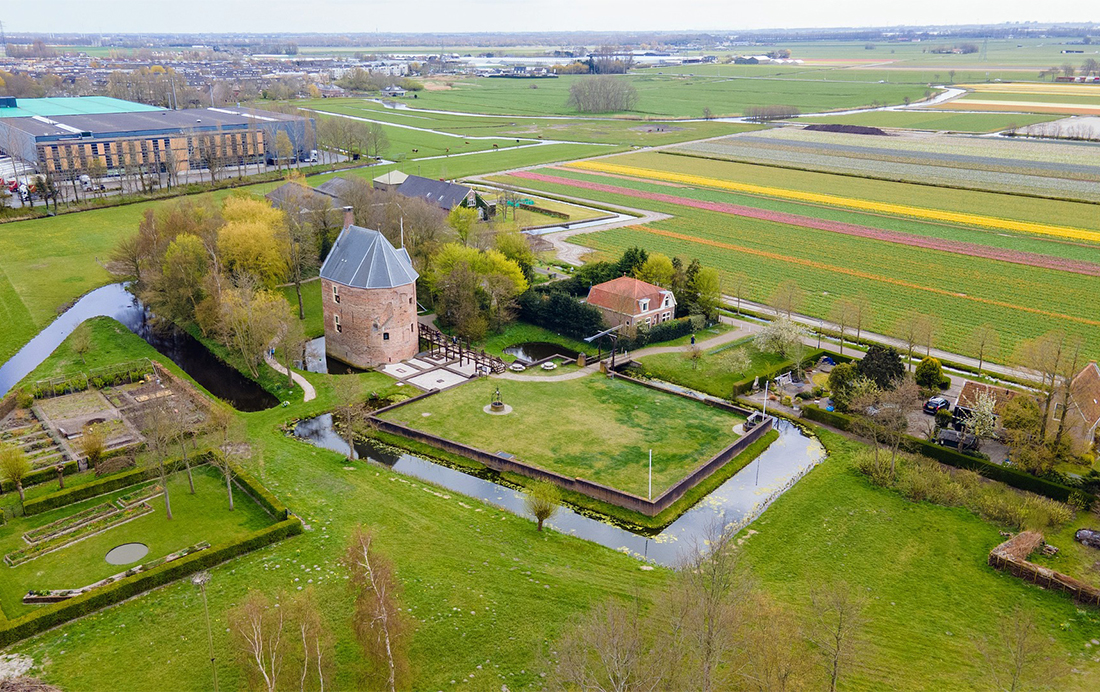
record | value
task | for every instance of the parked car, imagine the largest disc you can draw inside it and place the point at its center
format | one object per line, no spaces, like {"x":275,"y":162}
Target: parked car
{"x":936,"y":404}
{"x":957,"y":440}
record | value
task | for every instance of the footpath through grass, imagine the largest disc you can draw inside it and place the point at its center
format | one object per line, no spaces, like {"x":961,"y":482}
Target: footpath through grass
{"x":591,"y":427}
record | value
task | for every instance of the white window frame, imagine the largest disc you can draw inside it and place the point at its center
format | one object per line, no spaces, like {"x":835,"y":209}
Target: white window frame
{"x":643,"y":305}
{"x":336,"y":323}
{"x":335,"y":294}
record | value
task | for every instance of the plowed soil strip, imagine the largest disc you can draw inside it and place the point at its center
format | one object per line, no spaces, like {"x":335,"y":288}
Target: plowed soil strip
{"x":958,"y":247}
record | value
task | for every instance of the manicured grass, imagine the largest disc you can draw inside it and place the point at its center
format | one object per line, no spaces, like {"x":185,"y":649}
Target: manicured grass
{"x":710,"y":374}
{"x":111,"y":344}
{"x":923,"y":568}
{"x":933,"y":120}
{"x":522,"y":332}
{"x":591,"y":427}
{"x":314,"y":322}
{"x":204,"y":516}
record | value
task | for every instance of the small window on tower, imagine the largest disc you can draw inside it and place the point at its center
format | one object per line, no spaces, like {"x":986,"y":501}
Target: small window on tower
{"x":336,"y":323}
{"x":335,"y":295}
{"x":385,"y":336}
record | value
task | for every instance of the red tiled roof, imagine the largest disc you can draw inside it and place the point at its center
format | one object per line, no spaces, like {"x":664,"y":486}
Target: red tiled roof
{"x":1085,"y":390}
{"x":622,"y":295}
{"x":969,"y":394}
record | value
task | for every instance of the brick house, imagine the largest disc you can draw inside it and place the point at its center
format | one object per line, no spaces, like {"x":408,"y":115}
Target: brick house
{"x":631,"y":303}
{"x":368,"y":292}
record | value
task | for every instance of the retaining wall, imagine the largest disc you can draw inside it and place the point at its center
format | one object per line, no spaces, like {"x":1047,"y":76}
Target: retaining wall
{"x":589,"y":488}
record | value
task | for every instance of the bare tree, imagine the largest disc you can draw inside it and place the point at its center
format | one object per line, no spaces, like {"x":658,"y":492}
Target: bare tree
{"x":610,"y":649}
{"x":1045,"y":355}
{"x":836,"y":627}
{"x":1020,"y":656}
{"x":256,"y":630}
{"x":776,"y":656}
{"x":787,"y":298}
{"x":602,"y":94}
{"x":844,"y":314}
{"x":219,"y":424}
{"x":377,"y":620}
{"x":348,"y":393}
{"x":863,"y":314}
{"x":159,"y":431}
{"x":738,"y":283}
{"x":985,"y":340}
{"x":312,"y":654}
{"x":915,"y":329}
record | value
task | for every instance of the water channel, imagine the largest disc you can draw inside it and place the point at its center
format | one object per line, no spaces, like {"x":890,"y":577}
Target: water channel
{"x":739,"y":500}
{"x":220,"y":379}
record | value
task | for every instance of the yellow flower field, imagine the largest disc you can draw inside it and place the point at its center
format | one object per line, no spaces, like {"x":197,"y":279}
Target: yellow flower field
{"x":846,"y":202}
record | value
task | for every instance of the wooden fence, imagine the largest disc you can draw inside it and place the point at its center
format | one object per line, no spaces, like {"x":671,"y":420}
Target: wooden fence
{"x":1011,"y":556}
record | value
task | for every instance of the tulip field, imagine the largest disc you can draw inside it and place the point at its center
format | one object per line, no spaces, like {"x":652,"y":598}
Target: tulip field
{"x":965,"y":268}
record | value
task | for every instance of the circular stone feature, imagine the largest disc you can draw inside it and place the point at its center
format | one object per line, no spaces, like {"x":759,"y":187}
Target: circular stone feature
{"x":504,"y":411}
{"x":126,"y":553}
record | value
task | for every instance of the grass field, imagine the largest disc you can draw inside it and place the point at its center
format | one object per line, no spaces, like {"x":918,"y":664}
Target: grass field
{"x":923,"y":567}
{"x":204,"y":516}
{"x":664,"y":95}
{"x":962,"y":291}
{"x":710,"y":374}
{"x":592,"y":428}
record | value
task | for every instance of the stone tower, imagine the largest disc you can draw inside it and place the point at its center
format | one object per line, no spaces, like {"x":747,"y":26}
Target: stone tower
{"x":369,"y":296}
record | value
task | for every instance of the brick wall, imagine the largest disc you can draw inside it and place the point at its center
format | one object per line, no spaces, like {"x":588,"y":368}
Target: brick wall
{"x":377,"y":325}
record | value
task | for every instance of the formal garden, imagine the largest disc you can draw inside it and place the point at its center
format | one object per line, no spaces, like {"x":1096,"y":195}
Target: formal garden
{"x":591,"y":427}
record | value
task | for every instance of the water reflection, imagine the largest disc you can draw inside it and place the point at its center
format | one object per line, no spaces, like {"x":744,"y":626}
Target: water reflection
{"x":739,"y":500}
{"x":533,"y":351}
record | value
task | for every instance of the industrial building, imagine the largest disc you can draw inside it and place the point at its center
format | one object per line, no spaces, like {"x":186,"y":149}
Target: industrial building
{"x":63,"y":136}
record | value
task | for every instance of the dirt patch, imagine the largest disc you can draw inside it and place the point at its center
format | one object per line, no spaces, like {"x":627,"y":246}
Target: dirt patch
{"x":13,"y":666}
{"x":438,"y":85}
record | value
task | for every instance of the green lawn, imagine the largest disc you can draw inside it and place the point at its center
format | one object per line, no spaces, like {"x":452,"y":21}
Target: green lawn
{"x":110,"y":343}
{"x":933,"y":120}
{"x":593,"y":428}
{"x":204,"y":516}
{"x":923,"y":567}
{"x":522,"y":332}
{"x":710,"y":374}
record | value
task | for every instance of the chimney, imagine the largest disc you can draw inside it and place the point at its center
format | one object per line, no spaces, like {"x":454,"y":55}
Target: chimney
{"x":349,"y":217}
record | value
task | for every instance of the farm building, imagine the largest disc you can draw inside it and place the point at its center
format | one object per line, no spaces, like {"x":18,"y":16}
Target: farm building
{"x":440,"y":193}
{"x":968,"y":397}
{"x":388,"y":182}
{"x":630,"y":303}
{"x":368,"y":292}
{"x":1082,"y":419}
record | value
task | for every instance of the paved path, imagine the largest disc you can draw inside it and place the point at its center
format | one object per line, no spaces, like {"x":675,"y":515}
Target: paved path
{"x":309,"y":393}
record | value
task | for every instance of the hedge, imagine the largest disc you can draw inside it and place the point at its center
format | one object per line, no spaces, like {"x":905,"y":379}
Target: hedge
{"x":104,"y":485}
{"x":42,"y":475}
{"x":946,"y":455}
{"x":259,"y":493}
{"x":128,"y":587}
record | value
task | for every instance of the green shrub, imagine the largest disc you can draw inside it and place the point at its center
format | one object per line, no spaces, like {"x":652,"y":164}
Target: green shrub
{"x":42,"y":475}
{"x":928,"y":374}
{"x":838,"y":420}
{"x":945,"y":383}
{"x":23,"y":398}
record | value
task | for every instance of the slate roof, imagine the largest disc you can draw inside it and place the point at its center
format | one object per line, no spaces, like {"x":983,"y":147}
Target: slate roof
{"x":334,"y":187}
{"x":438,"y":192}
{"x":624,"y":292}
{"x":295,"y":193}
{"x":362,"y":258}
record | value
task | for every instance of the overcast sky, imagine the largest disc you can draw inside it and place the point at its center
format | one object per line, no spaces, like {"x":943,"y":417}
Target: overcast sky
{"x":354,"y":16}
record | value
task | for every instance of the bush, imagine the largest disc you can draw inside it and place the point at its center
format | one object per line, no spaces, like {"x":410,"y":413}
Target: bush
{"x":23,"y":398}
{"x":835,"y":419}
{"x":128,"y":587}
{"x":943,"y":418}
{"x":929,"y":373}
{"x":945,"y":383}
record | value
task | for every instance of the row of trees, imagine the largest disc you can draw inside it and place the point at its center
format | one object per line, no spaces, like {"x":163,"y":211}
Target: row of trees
{"x":602,"y":94}
{"x":1089,"y":67}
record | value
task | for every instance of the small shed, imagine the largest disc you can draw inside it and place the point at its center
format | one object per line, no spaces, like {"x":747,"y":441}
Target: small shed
{"x":389,"y":182}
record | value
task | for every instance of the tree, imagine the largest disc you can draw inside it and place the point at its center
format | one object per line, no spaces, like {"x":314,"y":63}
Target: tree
{"x":1090,"y":67}
{"x":844,"y":314}
{"x":656,"y":269}
{"x":176,"y":292}
{"x":929,"y":373}
{"x":81,"y":342}
{"x":284,"y":148}
{"x":841,"y":381}
{"x":609,"y":649}
{"x":462,"y":220}
{"x":1021,"y":423}
{"x":301,"y":248}
{"x":1020,"y":656}
{"x":706,"y":284}
{"x":348,"y":396}
{"x":1071,"y":364}
{"x":738,"y":283}
{"x":542,"y":501}
{"x":312,"y":654}
{"x":14,"y":466}
{"x":254,"y":240}
{"x":256,"y":630}
{"x":836,"y":627}
{"x":219,"y":423}
{"x":602,"y":94}
{"x":250,"y":320}
{"x":694,"y":355}
{"x":633,"y":258}
{"x":981,"y":421}
{"x":787,"y":298}
{"x":92,"y":444}
{"x":986,"y":341}
{"x":775,"y":649}
{"x":882,"y":365}
{"x":377,"y":619}
{"x":159,"y":429}
{"x":914,"y":329}
{"x":781,"y":336}
{"x":1045,"y":355}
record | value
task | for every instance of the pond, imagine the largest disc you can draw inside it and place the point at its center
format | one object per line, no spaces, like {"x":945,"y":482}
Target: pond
{"x":534,"y":351}
{"x":126,"y":553}
{"x":220,"y":379}
{"x":739,"y":500}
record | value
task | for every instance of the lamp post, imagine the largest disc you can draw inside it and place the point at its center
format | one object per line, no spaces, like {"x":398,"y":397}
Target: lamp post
{"x":199,"y":580}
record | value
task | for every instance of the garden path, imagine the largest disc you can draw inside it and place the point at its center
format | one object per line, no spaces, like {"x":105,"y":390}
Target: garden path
{"x":308,"y":392}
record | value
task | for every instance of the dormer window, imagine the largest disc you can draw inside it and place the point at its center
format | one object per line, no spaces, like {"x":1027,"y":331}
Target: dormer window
{"x":335,"y":294}
{"x":643,"y":305}
{"x":667,"y":299}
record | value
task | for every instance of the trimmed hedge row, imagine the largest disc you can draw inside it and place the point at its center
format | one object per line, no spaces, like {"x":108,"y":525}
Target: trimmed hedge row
{"x":42,"y":475}
{"x":128,"y":587}
{"x":99,"y":487}
{"x":261,"y":495}
{"x":946,"y":455}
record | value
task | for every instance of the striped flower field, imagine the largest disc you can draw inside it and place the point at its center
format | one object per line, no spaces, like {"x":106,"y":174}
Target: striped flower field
{"x":961,"y":218}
